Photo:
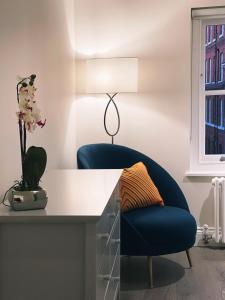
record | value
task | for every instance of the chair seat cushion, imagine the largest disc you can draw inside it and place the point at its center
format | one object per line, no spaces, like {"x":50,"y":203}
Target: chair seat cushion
{"x":157,"y":230}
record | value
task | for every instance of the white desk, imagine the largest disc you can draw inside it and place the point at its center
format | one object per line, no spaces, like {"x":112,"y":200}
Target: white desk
{"x":69,"y":251}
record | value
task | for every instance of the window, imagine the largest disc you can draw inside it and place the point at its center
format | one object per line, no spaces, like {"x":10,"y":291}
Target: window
{"x":208,"y":90}
{"x":214,"y":125}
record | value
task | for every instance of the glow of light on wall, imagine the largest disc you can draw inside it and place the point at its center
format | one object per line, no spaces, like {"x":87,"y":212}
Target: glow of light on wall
{"x":70,"y":137}
{"x":69,"y":17}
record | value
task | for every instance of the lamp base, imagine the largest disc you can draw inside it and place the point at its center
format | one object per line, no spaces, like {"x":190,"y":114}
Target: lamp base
{"x":27,"y":200}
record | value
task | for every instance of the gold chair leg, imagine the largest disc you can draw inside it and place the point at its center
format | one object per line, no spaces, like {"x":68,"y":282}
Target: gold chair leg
{"x":189,"y":257}
{"x":150,"y":271}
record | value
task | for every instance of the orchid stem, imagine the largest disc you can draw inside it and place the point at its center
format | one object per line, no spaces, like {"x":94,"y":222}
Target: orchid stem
{"x":22,"y":131}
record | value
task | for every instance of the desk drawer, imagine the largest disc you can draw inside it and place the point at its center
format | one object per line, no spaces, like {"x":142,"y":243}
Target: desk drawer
{"x":108,"y":250}
{"x":107,"y":246}
{"x":106,"y":229}
{"x":108,"y":283}
{"x":102,"y":286}
{"x":114,"y":241}
{"x":107,"y":219}
{"x":114,"y":282}
{"x":116,"y":198}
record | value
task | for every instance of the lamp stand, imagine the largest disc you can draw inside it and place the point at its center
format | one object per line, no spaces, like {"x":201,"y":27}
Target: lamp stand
{"x":118,"y":116}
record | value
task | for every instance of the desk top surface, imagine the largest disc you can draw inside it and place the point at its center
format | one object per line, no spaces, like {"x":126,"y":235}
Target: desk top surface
{"x":73,"y":195}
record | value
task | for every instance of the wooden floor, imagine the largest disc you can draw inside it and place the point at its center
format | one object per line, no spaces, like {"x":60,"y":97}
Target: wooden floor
{"x":173,"y":279}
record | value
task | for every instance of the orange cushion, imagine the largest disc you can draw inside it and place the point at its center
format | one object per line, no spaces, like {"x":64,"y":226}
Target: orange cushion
{"x":137,"y":188}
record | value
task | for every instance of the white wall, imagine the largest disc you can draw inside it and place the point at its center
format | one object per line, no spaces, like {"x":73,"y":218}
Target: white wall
{"x":37,"y":37}
{"x":156,"y":121}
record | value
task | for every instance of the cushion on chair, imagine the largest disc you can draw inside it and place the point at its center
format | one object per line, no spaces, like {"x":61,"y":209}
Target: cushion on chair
{"x":157,"y":230}
{"x":138,"y":189}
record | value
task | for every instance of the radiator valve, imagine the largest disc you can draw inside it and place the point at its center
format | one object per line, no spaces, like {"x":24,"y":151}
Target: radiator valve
{"x":205,"y":233}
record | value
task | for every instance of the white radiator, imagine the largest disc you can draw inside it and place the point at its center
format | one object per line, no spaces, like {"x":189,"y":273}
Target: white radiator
{"x":218,"y":184}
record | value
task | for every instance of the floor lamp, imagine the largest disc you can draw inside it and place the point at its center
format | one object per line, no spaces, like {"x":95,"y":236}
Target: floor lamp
{"x":111,"y":76}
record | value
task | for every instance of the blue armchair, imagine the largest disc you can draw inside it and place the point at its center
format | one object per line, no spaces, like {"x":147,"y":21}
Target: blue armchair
{"x":153,"y":230}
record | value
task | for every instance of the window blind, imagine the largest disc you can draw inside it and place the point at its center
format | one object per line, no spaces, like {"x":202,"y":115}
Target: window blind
{"x":208,"y":12}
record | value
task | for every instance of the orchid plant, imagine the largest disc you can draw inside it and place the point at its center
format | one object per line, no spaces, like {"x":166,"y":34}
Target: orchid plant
{"x":29,"y":117}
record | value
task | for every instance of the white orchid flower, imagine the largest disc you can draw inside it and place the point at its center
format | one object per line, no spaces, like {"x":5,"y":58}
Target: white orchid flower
{"x":29,"y":113}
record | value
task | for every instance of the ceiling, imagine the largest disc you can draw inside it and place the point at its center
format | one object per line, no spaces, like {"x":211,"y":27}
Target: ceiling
{"x":133,"y":28}
{"x":127,"y":28}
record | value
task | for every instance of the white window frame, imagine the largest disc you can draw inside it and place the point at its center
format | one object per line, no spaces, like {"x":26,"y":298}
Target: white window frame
{"x":222,"y":63}
{"x":221,"y":115}
{"x":221,"y":66}
{"x":206,"y":71}
{"x":206,"y":37}
{"x":222,"y":31}
{"x":210,"y":34}
{"x":213,"y":68}
{"x":214,"y":37}
{"x":199,"y":162}
{"x":210,"y":70}
{"x":210,"y":111}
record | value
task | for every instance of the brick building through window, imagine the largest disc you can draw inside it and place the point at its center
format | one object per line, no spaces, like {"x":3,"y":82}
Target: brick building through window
{"x":215,"y":80}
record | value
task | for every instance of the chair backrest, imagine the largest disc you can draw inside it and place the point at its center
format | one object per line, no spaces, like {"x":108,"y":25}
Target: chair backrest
{"x":108,"y":156}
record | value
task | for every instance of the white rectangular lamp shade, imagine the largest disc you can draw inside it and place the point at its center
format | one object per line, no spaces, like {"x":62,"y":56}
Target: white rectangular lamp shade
{"x":112,"y":75}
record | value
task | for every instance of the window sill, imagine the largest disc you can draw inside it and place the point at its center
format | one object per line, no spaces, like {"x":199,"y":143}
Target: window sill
{"x":204,"y":174}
